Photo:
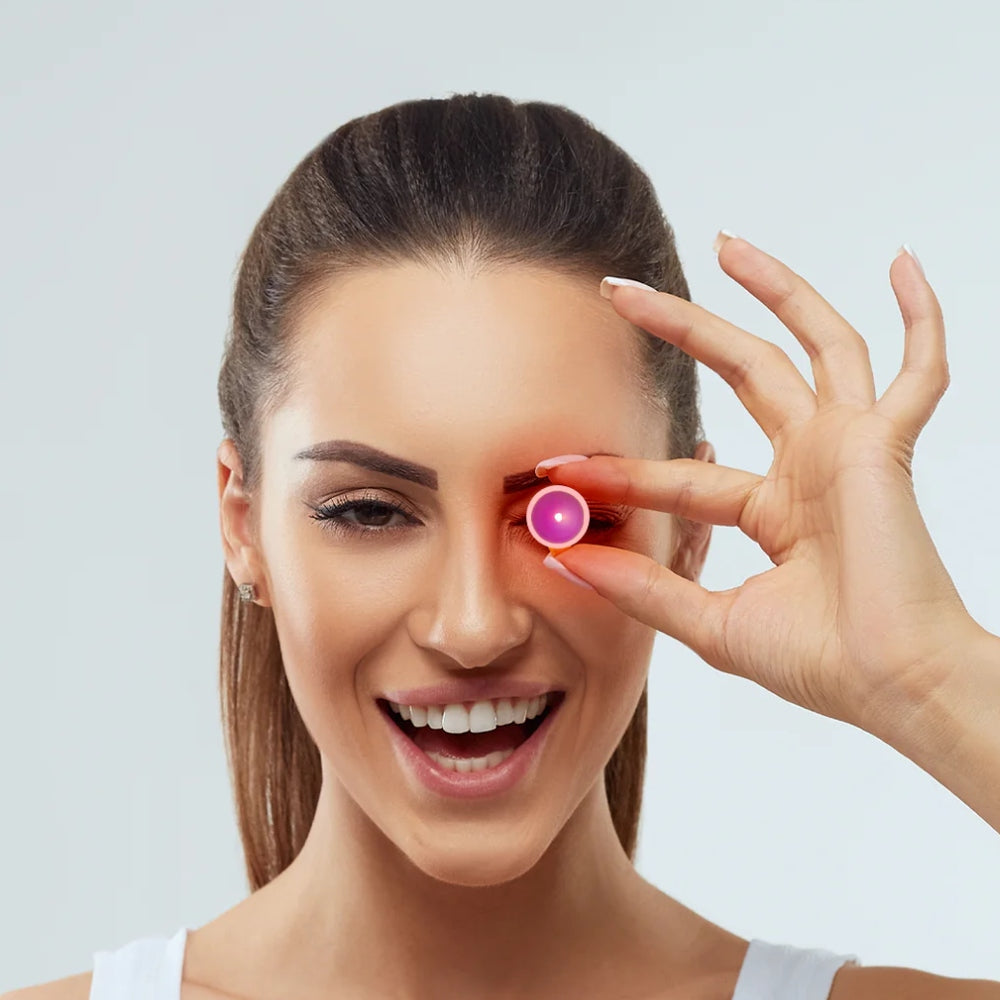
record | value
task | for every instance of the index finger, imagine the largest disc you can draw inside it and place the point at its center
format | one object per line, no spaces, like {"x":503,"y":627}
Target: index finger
{"x":688,"y":487}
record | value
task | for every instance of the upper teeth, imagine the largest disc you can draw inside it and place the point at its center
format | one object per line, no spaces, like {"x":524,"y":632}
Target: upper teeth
{"x":481,"y":717}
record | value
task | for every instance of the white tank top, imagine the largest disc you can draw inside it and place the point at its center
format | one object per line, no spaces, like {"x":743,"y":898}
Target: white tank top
{"x":150,"y":969}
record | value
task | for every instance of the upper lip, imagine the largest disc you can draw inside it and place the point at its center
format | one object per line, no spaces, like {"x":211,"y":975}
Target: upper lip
{"x":471,"y":689}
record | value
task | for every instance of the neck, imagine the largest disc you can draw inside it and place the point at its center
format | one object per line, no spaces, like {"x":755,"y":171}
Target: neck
{"x":353,"y":915}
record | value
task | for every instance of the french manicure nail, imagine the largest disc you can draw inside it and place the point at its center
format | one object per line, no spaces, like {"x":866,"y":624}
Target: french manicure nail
{"x":554,"y":563}
{"x":723,"y":235}
{"x":631,"y":282}
{"x":906,"y":248}
{"x":550,"y":463}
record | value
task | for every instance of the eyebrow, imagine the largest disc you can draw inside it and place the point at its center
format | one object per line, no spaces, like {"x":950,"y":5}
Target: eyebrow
{"x":368,"y":457}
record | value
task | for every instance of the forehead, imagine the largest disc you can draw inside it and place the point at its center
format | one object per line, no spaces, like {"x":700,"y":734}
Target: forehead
{"x":518,"y":352}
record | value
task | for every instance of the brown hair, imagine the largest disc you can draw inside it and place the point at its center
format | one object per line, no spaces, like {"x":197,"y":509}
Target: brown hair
{"x":468,"y":180}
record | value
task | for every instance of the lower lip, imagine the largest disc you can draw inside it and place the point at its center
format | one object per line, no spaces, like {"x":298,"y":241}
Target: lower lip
{"x":471,"y":784}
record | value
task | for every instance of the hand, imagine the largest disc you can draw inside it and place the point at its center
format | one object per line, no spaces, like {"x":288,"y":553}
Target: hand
{"x":858,"y":606}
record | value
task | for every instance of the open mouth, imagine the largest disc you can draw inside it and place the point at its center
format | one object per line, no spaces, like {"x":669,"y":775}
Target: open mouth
{"x":472,"y":751}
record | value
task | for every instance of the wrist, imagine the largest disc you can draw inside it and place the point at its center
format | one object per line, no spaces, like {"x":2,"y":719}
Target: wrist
{"x":945,"y":717}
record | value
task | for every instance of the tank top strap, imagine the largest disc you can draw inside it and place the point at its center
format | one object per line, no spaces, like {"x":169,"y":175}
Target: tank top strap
{"x":148,"y":968}
{"x":784,"y":972}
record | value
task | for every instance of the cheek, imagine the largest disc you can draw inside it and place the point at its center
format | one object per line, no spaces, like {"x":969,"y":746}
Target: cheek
{"x":617,"y":678}
{"x":331,"y":601}
{"x":615,"y":664}
{"x":331,"y":611}
{"x":321,"y":648}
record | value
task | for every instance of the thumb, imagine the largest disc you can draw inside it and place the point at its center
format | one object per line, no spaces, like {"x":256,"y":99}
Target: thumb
{"x":649,"y":592}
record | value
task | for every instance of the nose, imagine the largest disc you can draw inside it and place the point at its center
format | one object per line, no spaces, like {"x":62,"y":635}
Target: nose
{"x":472,"y":612}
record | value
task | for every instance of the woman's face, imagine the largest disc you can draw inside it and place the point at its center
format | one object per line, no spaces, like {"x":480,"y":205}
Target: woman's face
{"x":477,"y":379}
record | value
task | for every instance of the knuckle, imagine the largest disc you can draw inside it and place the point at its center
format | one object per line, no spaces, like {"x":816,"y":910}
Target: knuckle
{"x":745,"y":368}
{"x":938,"y":377}
{"x":684,"y":498}
{"x":852,"y":348}
{"x":860,"y":347}
{"x":647,"y":595}
{"x":628,"y":491}
{"x":787,"y":288}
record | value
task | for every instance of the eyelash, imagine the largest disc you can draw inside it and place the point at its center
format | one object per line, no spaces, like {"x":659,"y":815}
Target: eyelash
{"x":331,"y":516}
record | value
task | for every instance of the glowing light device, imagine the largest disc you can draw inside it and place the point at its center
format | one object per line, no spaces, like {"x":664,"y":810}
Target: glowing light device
{"x":558,"y":517}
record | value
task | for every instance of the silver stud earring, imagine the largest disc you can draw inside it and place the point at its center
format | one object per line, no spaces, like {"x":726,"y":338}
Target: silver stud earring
{"x":248,"y":592}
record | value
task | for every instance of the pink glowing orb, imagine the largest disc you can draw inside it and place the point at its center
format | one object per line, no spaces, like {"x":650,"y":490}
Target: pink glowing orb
{"x":558,"y":516}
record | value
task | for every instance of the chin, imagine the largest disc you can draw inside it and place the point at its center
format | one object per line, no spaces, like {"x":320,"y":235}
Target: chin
{"x":476,"y":858}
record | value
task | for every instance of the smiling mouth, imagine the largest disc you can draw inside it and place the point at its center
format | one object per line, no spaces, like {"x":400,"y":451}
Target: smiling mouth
{"x":504,"y":739}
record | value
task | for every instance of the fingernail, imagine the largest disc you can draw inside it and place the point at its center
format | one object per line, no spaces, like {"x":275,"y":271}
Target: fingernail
{"x":550,"y":463}
{"x":554,"y":563}
{"x":606,"y":292}
{"x":906,"y":248}
{"x":723,"y":235}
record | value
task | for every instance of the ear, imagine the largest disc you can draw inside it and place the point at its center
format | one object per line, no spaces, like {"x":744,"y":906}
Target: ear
{"x":243,"y":559}
{"x":692,"y":548}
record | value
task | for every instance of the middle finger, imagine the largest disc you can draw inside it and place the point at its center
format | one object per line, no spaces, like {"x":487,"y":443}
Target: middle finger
{"x":762,"y":375}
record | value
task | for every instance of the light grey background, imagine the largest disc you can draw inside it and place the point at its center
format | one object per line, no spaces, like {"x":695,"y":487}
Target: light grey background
{"x":139,"y":146}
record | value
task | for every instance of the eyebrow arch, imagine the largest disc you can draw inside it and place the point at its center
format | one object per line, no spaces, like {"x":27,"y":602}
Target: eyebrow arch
{"x":368,"y":457}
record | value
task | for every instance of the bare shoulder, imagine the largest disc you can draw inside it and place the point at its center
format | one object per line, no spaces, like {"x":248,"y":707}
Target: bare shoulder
{"x":860,"y":982}
{"x":69,"y":988}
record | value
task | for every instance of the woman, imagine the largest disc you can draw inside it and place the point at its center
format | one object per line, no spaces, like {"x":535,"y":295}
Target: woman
{"x":416,"y":326}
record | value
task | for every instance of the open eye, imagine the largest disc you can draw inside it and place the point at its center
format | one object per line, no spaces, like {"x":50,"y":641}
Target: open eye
{"x":365,"y":515}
